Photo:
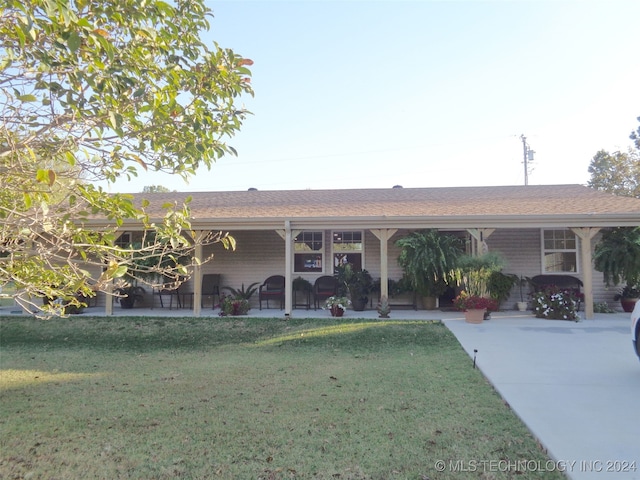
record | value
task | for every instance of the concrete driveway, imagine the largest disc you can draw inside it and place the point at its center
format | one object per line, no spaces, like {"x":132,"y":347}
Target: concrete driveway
{"x":575,"y":385}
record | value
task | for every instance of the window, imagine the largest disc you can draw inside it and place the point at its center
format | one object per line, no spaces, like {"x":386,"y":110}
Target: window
{"x":308,"y":252}
{"x":348,"y":247}
{"x":559,"y":251}
{"x":124,"y":240}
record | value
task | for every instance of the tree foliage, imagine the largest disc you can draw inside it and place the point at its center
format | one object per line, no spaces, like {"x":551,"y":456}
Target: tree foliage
{"x":635,"y":136}
{"x":429,"y":260}
{"x":618,"y":172}
{"x":617,"y":256}
{"x":97,"y":90}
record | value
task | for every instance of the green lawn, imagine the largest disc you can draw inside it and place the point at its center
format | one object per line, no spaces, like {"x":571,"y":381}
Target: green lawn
{"x":246,"y":398}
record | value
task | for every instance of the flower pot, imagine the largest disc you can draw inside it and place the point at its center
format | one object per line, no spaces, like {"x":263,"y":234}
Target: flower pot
{"x":336,"y":311}
{"x":359,"y":304}
{"x":474,"y":315}
{"x":430,"y":302}
{"x":628,"y":304}
{"x":522,"y":306}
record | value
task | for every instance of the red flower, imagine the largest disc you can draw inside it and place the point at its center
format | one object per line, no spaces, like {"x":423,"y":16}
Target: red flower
{"x":464,"y":301}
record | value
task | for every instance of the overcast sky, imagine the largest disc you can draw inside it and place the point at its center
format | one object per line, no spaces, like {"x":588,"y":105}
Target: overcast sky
{"x":371,"y":94}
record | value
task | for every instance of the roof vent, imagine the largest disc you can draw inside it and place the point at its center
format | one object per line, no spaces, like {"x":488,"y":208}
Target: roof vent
{"x":397,"y":186}
{"x":252,"y":189}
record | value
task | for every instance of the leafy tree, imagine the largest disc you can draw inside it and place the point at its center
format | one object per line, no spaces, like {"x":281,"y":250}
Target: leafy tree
{"x":155,"y":189}
{"x":635,"y":136}
{"x":617,"y":173}
{"x":95,"y":90}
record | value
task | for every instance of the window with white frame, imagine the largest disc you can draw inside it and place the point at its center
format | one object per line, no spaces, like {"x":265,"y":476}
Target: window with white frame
{"x":308,"y":252}
{"x":348,"y":247}
{"x":559,"y":251}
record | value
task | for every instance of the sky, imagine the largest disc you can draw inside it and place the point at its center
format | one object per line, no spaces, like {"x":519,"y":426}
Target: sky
{"x":372,"y":94}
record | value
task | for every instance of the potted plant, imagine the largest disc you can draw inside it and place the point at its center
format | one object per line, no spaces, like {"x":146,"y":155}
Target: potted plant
{"x":555,"y":303}
{"x":243,"y":293}
{"x":337,"y":305}
{"x":474,"y":272}
{"x":129,"y":294}
{"x":500,"y":285}
{"x":358,"y":283}
{"x":628,"y":297}
{"x":474,"y":306}
{"x":617,"y":256}
{"x":383,"y":307}
{"x":429,"y":261}
{"x":522,"y":283}
{"x":232,"y":305}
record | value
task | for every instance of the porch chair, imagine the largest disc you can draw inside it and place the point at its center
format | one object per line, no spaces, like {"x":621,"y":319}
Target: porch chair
{"x":171,"y":292}
{"x":271,"y":289}
{"x":323,"y":288}
{"x":210,"y":288}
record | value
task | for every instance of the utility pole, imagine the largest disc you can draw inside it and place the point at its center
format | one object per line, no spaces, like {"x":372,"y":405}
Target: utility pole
{"x":527,"y":156}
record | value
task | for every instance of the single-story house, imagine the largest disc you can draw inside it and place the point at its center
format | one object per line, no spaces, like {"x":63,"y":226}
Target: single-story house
{"x":538,"y":229}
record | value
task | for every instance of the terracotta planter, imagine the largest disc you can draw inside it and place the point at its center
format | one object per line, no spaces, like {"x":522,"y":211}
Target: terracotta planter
{"x":336,"y":311}
{"x":628,"y":304}
{"x":474,"y":315}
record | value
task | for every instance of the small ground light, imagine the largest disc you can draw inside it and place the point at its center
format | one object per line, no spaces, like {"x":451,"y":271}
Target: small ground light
{"x":475,"y":352}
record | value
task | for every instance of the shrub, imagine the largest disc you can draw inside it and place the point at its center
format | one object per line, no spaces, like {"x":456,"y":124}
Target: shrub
{"x":230,"y":305}
{"x":464,"y":301}
{"x":556,"y":304}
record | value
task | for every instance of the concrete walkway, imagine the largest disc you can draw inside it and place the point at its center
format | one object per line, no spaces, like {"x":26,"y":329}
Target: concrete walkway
{"x":575,"y":385}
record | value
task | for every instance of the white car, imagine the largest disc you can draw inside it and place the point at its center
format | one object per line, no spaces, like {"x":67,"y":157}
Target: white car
{"x":635,"y":328}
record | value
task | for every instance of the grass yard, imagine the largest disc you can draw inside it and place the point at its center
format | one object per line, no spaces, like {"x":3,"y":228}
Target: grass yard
{"x":196,"y":398}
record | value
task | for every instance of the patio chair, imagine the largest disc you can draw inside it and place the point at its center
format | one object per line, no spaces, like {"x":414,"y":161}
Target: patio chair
{"x":210,"y":288}
{"x":323,"y":288}
{"x":272,"y":289}
{"x":170,"y":292}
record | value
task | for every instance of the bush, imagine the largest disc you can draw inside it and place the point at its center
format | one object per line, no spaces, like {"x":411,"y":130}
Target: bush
{"x":556,"y":304}
{"x":233,"y":306}
{"x":464,"y":301}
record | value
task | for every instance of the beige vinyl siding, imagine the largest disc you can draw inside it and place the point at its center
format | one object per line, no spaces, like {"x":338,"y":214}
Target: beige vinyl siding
{"x":258,"y":255}
{"x":522,"y":251}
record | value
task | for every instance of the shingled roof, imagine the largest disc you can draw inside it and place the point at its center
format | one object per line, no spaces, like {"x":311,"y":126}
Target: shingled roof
{"x":518,"y":206}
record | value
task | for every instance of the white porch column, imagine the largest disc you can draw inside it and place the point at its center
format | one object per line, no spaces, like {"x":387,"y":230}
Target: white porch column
{"x":384,"y":234}
{"x":287,"y":235}
{"x":108,"y":306}
{"x":288,"y":268}
{"x":197,"y":273}
{"x":586,"y":234}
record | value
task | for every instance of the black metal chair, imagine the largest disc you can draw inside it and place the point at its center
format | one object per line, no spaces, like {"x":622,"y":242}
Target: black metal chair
{"x":272,"y":289}
{"x":210,"y":288}
{"x":323,"y":288}
{"x":170,"y":292}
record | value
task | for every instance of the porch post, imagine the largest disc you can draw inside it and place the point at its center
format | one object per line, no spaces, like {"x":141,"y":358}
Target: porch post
{"x":197,"y":274}
{"x":108,"y":306}
{"x":384,"y":235}
{"x":586,"y":234}
{"x":288,"y":260}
